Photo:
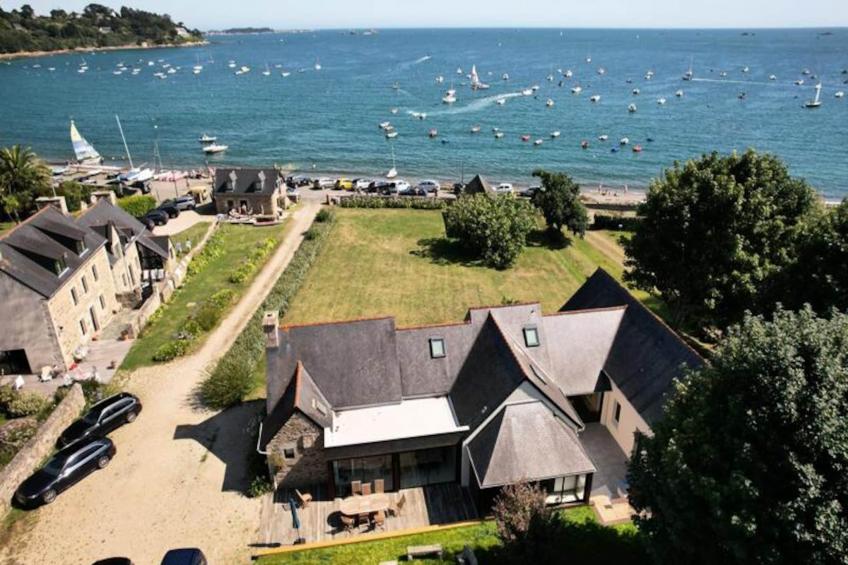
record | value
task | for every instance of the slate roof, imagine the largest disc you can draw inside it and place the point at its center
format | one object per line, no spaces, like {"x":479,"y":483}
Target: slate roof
{"x":104,"y":215}
{"x":526,"y":442}
{"x":302,"y":394}
{"x":29,"y":249}
{"x":247,"y":181}
{"x":646,"y":355}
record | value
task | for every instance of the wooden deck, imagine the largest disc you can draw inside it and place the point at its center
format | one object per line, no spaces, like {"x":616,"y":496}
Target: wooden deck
{"x":435,"y":504}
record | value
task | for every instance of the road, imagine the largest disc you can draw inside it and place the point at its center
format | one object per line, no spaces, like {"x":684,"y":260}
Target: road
{"x":180,"y":469}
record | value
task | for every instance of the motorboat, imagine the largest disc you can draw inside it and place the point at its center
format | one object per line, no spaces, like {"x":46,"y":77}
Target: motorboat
{"x":595,"y":98}
{"x":649,"y":75}
{"x":742,"y":96}
{"x":385,"y":125}
{"x":525,"y":138}
{"x":527,"y":92}
{"x":772,"y":77}
{"x":631,"y":108}
{"x":584,"y":144}
{"x":500,"y":101}
{"x":499,"y":134}
{"x":576,"y":90}
{"x":317,"y":66}
{"x":805,"y":72}
{"x":603,"y":137}
{"x":214,"y":148}
{"x":636,"y":92}
{"x":440,"y":79}
{"x":433,"y":133}
{"x":267,"y":71}
{"x":799,"y":82}
{"x":449,"y":97}
{"x":745,"y":69}
{"x":549,"y":78}
{"x":555,"y":134}
{"x":393,"y":110}
{"x":475,"y":129}
{"x":815,"y":102}
{"x":549,"y":103}
{"x":172,"y":71}
{"x":839,"y":94}
{"x":637,"y":148}
{"x":207,"y":138}
{"x":391,"y":133}
{"x":285,"y":74}
{"x":505,"y":76}
{"x":624,"y":141}
{"x":602,"y":71}
{"x":661,"y":101}
{"x":538,"y":142}
{"x":535,"y":88}
{"x":679,"y":94}
{"x":568,"y":74}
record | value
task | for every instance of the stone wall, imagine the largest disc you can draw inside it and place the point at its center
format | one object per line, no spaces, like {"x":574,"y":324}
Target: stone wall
{"x":39,"y":447}
{"x":309,"y":466}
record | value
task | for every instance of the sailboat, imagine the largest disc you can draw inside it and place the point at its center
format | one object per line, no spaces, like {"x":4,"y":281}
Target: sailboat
{"x":475,"y":80}
{"x":135,"y":174}
{"x":816,"y":102}
{"x":393,"y":171}
{"x":267,"y":71}
{"x":689,"y":74}
{"x":317,"y":65}
{"x":84,"y":151}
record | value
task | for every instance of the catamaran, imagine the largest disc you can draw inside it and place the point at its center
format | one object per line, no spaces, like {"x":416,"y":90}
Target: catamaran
{"x":816,"y":102}
{"x":135,"y":174}
{"x":84,"y":151}
{"x":475,"y":80}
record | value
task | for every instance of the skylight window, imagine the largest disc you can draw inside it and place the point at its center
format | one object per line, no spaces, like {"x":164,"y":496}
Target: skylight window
{"x":531,"y":336}
{"x":437,"y":347}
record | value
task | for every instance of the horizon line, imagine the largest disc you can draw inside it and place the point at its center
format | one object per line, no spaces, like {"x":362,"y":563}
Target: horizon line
{"x":538,"y":27}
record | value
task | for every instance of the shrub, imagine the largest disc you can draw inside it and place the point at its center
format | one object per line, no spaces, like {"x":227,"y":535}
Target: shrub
{"x":27,"y":404}
{"x":13,"y":436}
{"x":207,"y":316}
{"x":361,"y":201}
{"x":493,"y":228}
{"x":324,"y":215}
{"x":137,"y":205}
{"x":75,"y":194}
{"x":617,"y":223}
{"x":310,"y":234}
{"x":93,"y":392}
{"x":524,"y":522}
{"x":241,"y":274}
{"x":171,"y":350}
{"x":222,"y":298}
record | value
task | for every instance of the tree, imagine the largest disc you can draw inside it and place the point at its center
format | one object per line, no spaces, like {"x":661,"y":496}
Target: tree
{"x":714,"y":234}
{"x":75,"y":194}
{"x":748,"y":464}
{"x":22,"y":177}
{"x":493,"y":228}
{"x":525,"y":523}
{"x":559,"y":201}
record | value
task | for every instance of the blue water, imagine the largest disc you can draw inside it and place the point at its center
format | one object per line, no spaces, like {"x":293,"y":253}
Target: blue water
{"x":327,"y":120}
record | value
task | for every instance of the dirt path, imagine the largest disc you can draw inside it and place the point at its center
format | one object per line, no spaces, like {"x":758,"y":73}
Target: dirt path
{"x":176,"y":480}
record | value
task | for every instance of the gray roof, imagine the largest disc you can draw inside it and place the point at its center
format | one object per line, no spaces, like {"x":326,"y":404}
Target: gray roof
{"x":29,"y":250}
{"x":526,"y":442}
{"x":646,"y":355}
{"x":478,"y":185}
{"x":247,"y":181}
{"x":303,"y":395}
{"x":103,"y":216}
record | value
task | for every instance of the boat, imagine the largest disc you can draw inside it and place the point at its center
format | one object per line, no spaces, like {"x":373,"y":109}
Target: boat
{"x":499,"y":134}
{"x":555,"y":134}
{"x":649,"y":75}
{"x":595,"y":98}
{"x":207,"y":138}
{"x":433,"y":133}
{"x":285,"y":74}
{"x":118,"y":73}
{"x":631,"y":108}
{"x":602,"y":71}
{"x":422,"y":116}
{"x":393,"y":171}
{"x":391,"y":133}
{"x":549,"y":103}
{"x":742,"y":95}
{"x":722,"y":74}
{"x":584,"y":144}
{"x":745,"y":69}
{"x":535,"y":88}
{"x":449,"y":97}
{"x":549,"y":78}
{"x":637,"y":148}
{"x":527,"y":92}
{"x":83,"y":150}
{"x":231,"y":64}
{"x":475,"y":129}
{"x":799,"y":82}
{"x":839,"y":94}
{"x":214,"y":148}
{"x":805,"y":72}
{"x":160,"y":75}
{"x":688,"y":75}
{"x":624,"y":141}
{"x":393,"y":110}
{"x":649,"y":139}
{"x":679,"y":94}
{"x":385,"y":125}
{"x":440,"y":79}
{"x":500,"y":101}
{"x":459,"y":70}
{"x":636,"y":92}
{"x":815,"y":102}
{"x":568,"y":74}
{"x":172,"y":71}
{"x":661,"y":101}
{"x":267,"y":71}
{"x":538,"y":142}
{"x":525,"y":138}
{"x":135,"y":174}
{"x":576,"y":90}
{"x":772,"y":77}
{"x":505,"y":76}
{"x":317,"y":64}
{"x":476,"y":83}
{"x":588,"y":60}
{"x":396,"y":85}
{"x":603,"y":137}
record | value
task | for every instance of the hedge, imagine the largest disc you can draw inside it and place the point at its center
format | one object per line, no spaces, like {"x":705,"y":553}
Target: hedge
{"x":137,"y":205}
{"x":232,"y":378}
{"x":359,"y":201}
{"x":618,"y":223}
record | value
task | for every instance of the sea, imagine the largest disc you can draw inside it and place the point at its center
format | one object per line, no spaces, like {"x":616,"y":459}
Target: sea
{"x":743,"y":93}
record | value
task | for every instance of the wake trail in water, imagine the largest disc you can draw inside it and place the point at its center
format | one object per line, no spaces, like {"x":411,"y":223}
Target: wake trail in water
{"x":476,"y":105}
{"x":732,"y":81}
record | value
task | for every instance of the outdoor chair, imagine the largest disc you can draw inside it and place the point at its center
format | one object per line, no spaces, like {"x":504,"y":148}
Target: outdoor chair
{"x":379,"y":486}
{"x":366,"y":489}
{"x":380,"y":520}
{"x":348,"y":523}
{"x":304,"y":499}
{"x":356,"y":487}
{"x":396,"y":508}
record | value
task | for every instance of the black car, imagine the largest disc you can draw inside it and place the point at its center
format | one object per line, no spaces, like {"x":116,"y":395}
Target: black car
{"x":181,"y":203}
{"x":154,"y":218}
{"x":185,"y":556}
{"x":63,"y":470}
{"x":104,"y":417}
{"x":169,"y":208}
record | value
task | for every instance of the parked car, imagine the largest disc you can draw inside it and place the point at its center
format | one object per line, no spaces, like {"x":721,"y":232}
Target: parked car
{"x":114,"y":561}
{"x":63,"y":470}
{"x":429,"y":185}
{"x":379,"y":186}
{"x":530,"y":191}
{"x":154,"y":218}
{"x":399,"y":186}
{"x":504,"y":188}
{"x":412,"y":191}
{"x":323,"y":182}
{"x":185,"y":556}
{"x":361,"y":184}
{"x":104,"y":417}
{"x":298,"y":181}
{"x":169,"y":209}
{"x":344,"y":184}
{"x":458,"y":187}
{"x":181,"y":203}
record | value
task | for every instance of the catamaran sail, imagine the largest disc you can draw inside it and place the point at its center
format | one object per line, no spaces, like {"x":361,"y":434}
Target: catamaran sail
{"x":83,"y":150}
{"x":475,"y":80}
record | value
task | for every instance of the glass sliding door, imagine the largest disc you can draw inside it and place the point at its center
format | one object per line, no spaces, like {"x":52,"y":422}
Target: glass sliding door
{"x":364,"y":469}
{"x":564,"y":489}
{"x":427,"y":467}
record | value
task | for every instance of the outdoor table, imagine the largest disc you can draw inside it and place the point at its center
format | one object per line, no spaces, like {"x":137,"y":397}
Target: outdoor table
{"x":366,"y":504}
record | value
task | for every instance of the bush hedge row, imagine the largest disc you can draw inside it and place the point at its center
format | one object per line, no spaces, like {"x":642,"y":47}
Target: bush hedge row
{"x":232,"y":378}
{"x":618,"y":223}
{"x":137,"y":205}
{"x":250,"y":263}
{"x":203,"y":319}
{"x":359,"y":201}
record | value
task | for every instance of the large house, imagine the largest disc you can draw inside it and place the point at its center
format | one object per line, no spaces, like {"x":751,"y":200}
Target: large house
{"x":500,"y":398}
{"x":63,"y":279}
{"x":249,"y":191}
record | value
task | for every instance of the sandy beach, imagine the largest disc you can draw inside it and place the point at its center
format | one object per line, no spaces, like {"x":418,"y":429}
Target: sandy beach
{"x":33,"y":54}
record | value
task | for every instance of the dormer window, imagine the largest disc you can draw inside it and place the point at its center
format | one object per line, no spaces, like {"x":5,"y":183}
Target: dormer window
{"x":531,"y":336}
{"x":261,"y":183}
{"x":231,"y":183}
{"x":60,"y":266}
{"x":81,"y":249}
{"x":319,"y":407}
{"x":437,"y":347}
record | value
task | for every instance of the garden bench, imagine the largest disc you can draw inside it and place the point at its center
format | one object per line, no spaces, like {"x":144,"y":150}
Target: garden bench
{"x":414,"y":551}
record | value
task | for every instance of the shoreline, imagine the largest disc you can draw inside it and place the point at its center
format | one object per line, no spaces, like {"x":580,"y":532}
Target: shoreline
{"x":37,"y":54}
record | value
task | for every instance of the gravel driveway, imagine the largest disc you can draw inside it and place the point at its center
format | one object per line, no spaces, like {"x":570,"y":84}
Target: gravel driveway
{"x":177,"y":478}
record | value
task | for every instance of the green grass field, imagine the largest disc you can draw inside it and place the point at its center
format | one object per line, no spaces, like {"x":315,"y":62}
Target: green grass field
{"x":583,"y":541}
{"x":396,"y":262}
{"x":193,"y":234}
{"x":238,"y":241}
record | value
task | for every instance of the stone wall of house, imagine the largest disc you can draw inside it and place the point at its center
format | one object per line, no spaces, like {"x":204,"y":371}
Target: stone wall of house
{"x":26,"y":324}
{"x":40,"y":446}
{"x":265,"y":204}
{"x":309,"y":465}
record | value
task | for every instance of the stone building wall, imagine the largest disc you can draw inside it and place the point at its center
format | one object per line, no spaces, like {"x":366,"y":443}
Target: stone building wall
{"x":26,"y":324}
{"x":309,"y":466}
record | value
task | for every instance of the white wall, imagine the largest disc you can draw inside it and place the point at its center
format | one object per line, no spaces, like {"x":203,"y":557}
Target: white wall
{"x":629,"y":420}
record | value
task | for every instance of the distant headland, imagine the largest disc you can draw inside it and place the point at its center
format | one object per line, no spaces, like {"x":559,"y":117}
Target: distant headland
{"x":240,"y":31}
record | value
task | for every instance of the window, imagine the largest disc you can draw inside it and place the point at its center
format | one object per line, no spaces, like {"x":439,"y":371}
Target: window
{"x":102,"y":302}
{"x":288,"y":452}
{"x":437,"y":347}
{"x":84,"y":285}
{"x":74,"y":296}
{"x":531,"y":336}
{"x":83,"y":327}
{"x":124,"y":277}
{"x":94,"y":273}
{"x":60,"y":266}
{"x":616,"y":412}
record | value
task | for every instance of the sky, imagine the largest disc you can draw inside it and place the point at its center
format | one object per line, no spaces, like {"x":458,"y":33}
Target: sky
{"x":316,"y":14}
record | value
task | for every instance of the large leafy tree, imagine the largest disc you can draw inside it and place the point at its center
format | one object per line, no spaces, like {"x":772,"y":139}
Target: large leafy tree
{"x":559,"y":201}
{"x":750,"y":462}
{"x":493,"y":228}
{"x":715,"y":232}
{"x":22,"y":177}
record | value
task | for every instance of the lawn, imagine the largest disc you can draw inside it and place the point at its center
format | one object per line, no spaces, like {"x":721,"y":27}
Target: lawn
{"x":238,"y":241}
{"x":396,"y":262}
{"x":193,"y":235}
{"x":581,"y":540}
{"x":6,"y":226}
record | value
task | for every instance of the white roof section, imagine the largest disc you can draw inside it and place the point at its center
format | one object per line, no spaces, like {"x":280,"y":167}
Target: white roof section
{"x":415,"y":417}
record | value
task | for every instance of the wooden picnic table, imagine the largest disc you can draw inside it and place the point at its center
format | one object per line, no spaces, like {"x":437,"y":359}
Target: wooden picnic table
{"x":364,"y":504}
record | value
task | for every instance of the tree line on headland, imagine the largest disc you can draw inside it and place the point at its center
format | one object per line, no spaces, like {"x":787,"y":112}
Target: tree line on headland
{"x":97,"y":26}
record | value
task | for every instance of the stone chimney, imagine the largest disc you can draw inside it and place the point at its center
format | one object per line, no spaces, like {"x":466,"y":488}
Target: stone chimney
{"x":57,"y":202}
{"x":270,"y":323}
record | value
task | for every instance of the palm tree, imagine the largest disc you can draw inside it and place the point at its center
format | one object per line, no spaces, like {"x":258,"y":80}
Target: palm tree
{"x":22,"y":177}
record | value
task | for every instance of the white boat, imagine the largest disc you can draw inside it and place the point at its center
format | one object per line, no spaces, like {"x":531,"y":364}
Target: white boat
{"x":285,"y":74}
{"x":549,"y":103}
{"x":535,"y":88}
{"x":632,"y":108}
{"x":679,"y":94}
{"x":588,"y":60}
{"x":555,"y":134}
{"x":214,"y":148}
{"x":117,"y":73}
{"x":595,"y":98}
{"x":244,"y":69}
{"x":393,"y":110}
{"x":391,"y":133}
{"x":815,"y":102}
{"x":449,"y":97}
{"x":207,"y":138}
{"x":505,"y":76}
{"x":636,"y":92}
{"x":772,"y":77}
{"x":624,"y":141}
{"x":459,"y":70}
{"x":550,"y":78}
{"x":799,"y":82}
{"x":649,"y":75}
{"x":689,"y":74}
{"x":576,"y":90}
{"x":393,"y":171}
{"x":603,"y":137}
{"x":160,"y":75}
{"x":475,"y":129}
{"x":745,"y":69}
{"x":661,"y":101}
{"x":500,"y":101}
{"x":231,"y":64}
{"x":839,"y":94}
{"x":538,"y":142}
{"x":82,"y":70}
{"x":317,"y":65}
{"x":150,"y":63}
{"x":440,"y":79}
{"x":602,"y":71}
{"x":267,"y":71}
{"x":172,"y":71}
{"x":499,"y":134}
{"x":569,"y":73}
{"x":385,"y":125}
{"x":83,"y":150}
{"x":527,"y":92}
{"x":805,"y":72}
{"x":722,"y":74}
{"x":476,"y":84}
